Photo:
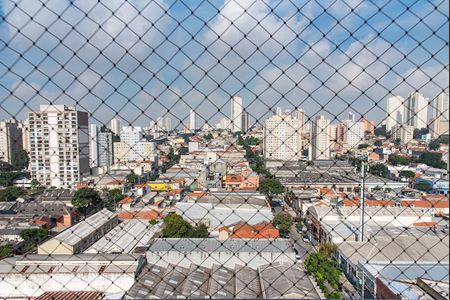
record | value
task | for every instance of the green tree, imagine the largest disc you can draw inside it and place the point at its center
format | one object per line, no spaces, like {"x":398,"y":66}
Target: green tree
{"x":5,"y":250}
{"x":183,"y":151}
{"x":153,"y":222}
{"x":34,"y":235}
{"x":115,"y":195}
{"x":378,"y":143}
{"x":381,"y":131}
{"x":11,"y":193}
{"x":327,"y":249}
{"x":379,"y":170}
{"x":200,"y":231}
{"x":396,"y":160}
{"x":417,"y":134}
{"x":271,"y":185}
{"x":207,"y":137}
{"x":326,"y":272}
{"x":20,"y":160}
{"x":423,"y":186}
{"x":407,"y":174}
{"x":283,"y":221}
{"x":433,"y":159}
{"x":86,"y":199}
{"x":434,"y":145}
{"x":176,"y":227}
{"x":363,"y":146}
{"x":397,"y":141}
{"x":132,"y":178}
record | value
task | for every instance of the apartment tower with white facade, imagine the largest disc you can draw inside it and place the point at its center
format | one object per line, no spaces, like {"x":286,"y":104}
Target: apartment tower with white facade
{"x":59,"y":145}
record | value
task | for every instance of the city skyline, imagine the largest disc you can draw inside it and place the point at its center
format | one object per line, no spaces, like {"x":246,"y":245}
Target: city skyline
{"x":90,"y":83}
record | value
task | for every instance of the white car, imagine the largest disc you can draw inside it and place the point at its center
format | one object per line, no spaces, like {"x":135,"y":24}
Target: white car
{"x":305,"y":239}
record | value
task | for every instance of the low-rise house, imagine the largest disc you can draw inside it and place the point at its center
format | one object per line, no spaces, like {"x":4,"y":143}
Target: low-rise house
{"x":264,"y":230}
{"x":225,"y":209}
{"x":31,"y":276}
{"x":340,"y":224}
{"x":394,"y":256}
{"x":241,"y":182}
{"x":143,"y":214}
{"x":125,"y":203}
{"x":79,"y":237}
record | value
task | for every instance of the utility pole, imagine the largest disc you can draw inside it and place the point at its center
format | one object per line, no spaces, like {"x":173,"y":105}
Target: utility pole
{"x":362,"y":201}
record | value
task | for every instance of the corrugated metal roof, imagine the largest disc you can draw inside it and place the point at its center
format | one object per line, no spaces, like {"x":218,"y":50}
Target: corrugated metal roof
{"x":125,"y":237}
{"x":69,"y":295}
{"x":76,"y":233}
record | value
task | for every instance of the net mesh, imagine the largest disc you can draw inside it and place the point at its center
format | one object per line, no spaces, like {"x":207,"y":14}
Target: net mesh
{"x":224,"y":149}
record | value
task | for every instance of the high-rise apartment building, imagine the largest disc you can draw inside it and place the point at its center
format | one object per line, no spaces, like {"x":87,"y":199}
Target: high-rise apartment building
{"x":192,"y":120}
{"x":100,"y":147}
{"x":299,"y":114}
{"x":416,"y":110}
{"x":320,"y":139}
{"x":105,"y":148}
{"x":282,"y":138}
{"x":245,"y":121}
{"x":354,"y":134}
{"x":116,"y":126}
{"x":236,"y":113}
{"x":10,"y":140}
{"x":440,"y":118}
{"x":404,"y":133}
{"x":395,"y":109}
{"x":59,"y":145}
{"x":93,"y":145}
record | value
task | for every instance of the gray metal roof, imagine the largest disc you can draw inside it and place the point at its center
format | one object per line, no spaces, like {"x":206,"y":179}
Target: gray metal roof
{"x":81,"y":263}
{"x":216,"y":245}
{"x":78,"y":232}
{"x":125,"y":237}
{"x":398,"y":248}
{"x":269,"y":281}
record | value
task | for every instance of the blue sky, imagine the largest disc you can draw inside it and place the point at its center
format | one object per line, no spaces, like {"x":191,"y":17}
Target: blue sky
{"x":166,"y":57}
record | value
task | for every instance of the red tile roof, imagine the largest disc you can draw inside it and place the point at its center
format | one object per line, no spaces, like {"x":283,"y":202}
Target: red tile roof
{"x":425,"y":203}
{"x":258,"y":231}
{"x":425,"y":224}
{"x":139,"y":215}
{"x":125,"y":200}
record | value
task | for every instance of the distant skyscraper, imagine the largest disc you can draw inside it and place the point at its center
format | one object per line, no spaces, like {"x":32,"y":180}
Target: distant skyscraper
{"x":245,"y":121}
{"x":416,"y":110}
{"x":93,"y":145}
{"x":59,"y":145}
{"x":351,"y":116}
{"x":192,"y":120}
{"x":105,"y":149}
{"x":167,"y":121}
{"x":440,"y":119}
{"x":369,"y":126}
{"x":354,"y":134}
{"x":282,"y":138}
{"x":404,"y":133}
{"x":116,"y":126}
{"x":279,"y":111}
{"x":10,"y":140}
{"x":320,"y":139}
{"x":299,"y":114}
{"x":236,"y":113}
{"x":395,"y":110}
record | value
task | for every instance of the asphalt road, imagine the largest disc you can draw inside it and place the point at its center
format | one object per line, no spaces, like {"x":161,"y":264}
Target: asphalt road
{"x":303,"y":248}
